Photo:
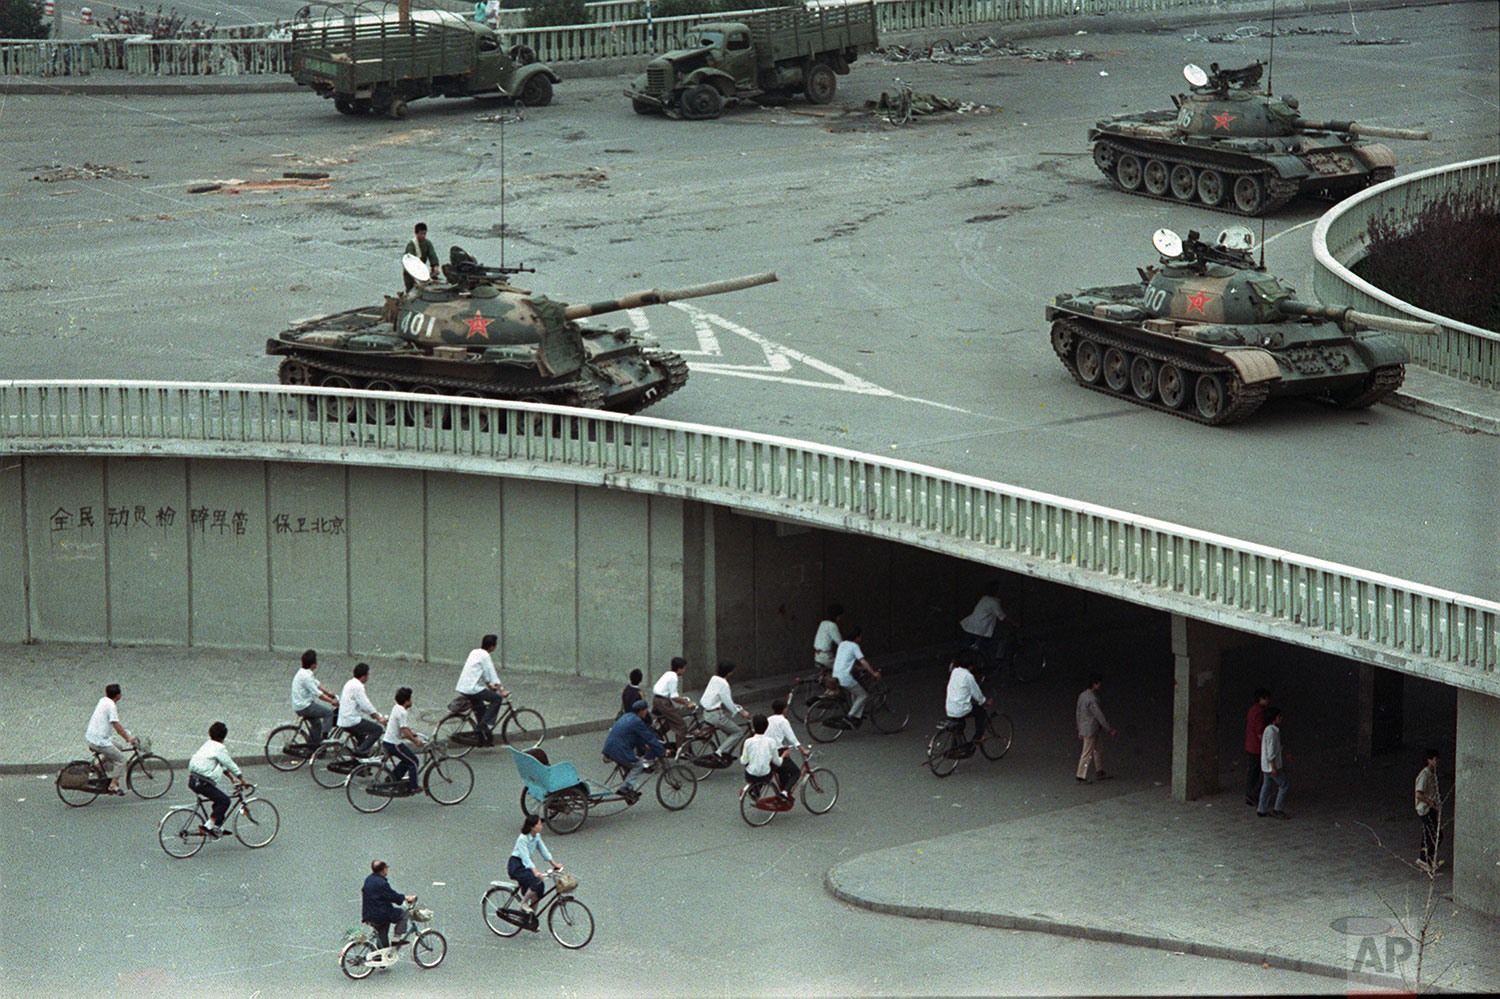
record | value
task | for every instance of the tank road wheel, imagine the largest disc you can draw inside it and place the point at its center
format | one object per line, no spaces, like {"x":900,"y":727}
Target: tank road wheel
{"x":1211,"y":188}
{"x":294,"y":372}
{"x":1249,"y":195}
{"x":1143,"y":378}
{"x":701,"y":102}
{"x":1128,"y":172}
{"x":1104,"y":158}
{"x":536,"y":92}
{"x":1184,"y":182}
{"x":1089,"y":361}
{"x":820,"y":85}
{"x":483,"y":422}
{"x":333,"y":408}
{"x":1116,"y":369}
{"x":1209,"y":396}
{"x":1171,"y":386}
{"x":388,"y":413}
{"x":1157,"y":177}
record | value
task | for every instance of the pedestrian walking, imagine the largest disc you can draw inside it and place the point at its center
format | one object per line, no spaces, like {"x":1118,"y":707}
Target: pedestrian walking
{"x":1272,"y":768}
{"x":1430,"y":811}
{"x":1092,"y":725}
{"x":1255,"y":727}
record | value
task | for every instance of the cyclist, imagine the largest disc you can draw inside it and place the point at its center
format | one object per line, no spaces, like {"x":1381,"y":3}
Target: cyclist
{"x":104,"y":725}
{"x":397,"y":729}
{"x":719,"y":710}
{"x":522,"y":866}
{"x":758,"y":755}
{"x":380,"y":904}
{"x":855,"y":674}
{"x":965,"y":700}
{"x":631,"y":693}
{"x":780,"y":730}
{"x":354,"y":707}
{"x":312,"y":700}
{"x":210,"y":762}
{"x":988,"y":625}
{"x":481,"y":684}
{"x":666,"y":699}
{"x":826,"y":641}
{"x":628,"y":736}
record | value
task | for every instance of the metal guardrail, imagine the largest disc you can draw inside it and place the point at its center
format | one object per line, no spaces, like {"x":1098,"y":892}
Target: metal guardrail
{"x":1399,"y":624}
{"x":1341,"y":239}
{"x":30,"y":57}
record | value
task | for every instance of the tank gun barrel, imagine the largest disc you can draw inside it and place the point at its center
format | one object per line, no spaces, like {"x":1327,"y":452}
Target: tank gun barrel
{"x":1341,"y":315}
{"x":655,"y":296}
{"x":1373,"y":131}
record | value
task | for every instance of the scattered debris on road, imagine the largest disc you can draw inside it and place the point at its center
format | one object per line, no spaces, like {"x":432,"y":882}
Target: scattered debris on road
{"x":310,"y":180}
{"x":87,"y":171}
{"x":967,"y":52}
{"x":927,"y":104}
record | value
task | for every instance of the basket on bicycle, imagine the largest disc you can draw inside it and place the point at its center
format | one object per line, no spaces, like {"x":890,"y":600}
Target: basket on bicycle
{"x":566,"y":883}
{"x":421,"y":915}
{"x":76,"y":775}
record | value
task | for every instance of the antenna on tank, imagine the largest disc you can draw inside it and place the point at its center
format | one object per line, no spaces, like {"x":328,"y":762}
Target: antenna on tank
{"x":502,"y":190}
{"x":1271,"y":60}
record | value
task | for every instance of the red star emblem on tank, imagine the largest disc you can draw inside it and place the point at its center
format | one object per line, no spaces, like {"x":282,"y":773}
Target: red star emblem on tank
{"x":1196,"y":301}
{"x":1223,"y":119}
{"x":477,"y":325}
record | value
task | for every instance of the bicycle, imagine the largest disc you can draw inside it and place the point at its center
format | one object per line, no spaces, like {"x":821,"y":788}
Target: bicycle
{"x":828,"y":717}
{"x":945,"y":748}
{"x":460,"y":732}
{"x":361,"y":955}
{"x":806,"y":690}
{"x":568,"y":920}
{"x":447,"y":781}
{"x":334,"y":759}
{"x":700,"y":747}
{"x":819,"y":787}
{"x":147,"y":775}
{"x":182,"y":830}
{"x":288,"y":747}
{"x":898,"y":108}
{"x":1024,"y":660}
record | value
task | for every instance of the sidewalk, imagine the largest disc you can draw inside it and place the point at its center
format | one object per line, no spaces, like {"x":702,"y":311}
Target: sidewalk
{"x":1207,"y":877}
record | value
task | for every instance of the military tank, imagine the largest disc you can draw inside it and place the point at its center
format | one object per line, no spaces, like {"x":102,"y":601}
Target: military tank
{"x":475,"y":334}
{"x":1235,"y":148}
{"x":1208,"y":335}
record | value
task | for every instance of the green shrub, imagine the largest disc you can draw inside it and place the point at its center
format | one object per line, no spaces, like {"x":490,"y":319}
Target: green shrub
{"x":545,"y":13}
{"x":21,"y":19}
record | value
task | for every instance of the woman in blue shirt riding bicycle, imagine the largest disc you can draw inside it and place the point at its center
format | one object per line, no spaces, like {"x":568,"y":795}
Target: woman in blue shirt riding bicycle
{"x":522,"y":867}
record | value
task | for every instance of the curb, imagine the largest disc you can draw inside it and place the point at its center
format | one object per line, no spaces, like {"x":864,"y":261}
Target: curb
{"x":1032,"y":924}
{"x":1477,"y":422}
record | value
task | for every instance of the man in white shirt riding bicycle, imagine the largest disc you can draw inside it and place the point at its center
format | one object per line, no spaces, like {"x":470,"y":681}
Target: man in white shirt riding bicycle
{"x":720,"y":711}
{"x":667,"y":699}
{"x":826,"y":640}
{"x":965,"y":700}
{"x":208,"y":764}
{"x":780,"y":731}
{"x":104,"y":725}
{"x":312,"y":700}
{"x":481,"y":684}
{"x":357,"y":715}
{"x":855,"y":674}
{"x":398,"y":733}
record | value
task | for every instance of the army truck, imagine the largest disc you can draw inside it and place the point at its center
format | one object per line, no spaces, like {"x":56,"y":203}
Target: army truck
{"x":770,"y":54}
{"x":375,"y":58}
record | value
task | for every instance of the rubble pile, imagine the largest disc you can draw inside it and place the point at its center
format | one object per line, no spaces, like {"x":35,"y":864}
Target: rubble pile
{"x":971,"y":51}
{"x":85,"y":171}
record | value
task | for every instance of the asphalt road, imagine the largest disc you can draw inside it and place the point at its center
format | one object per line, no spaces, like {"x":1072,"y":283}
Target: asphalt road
{"x":915,"y":262}
{"x":687,"y":903}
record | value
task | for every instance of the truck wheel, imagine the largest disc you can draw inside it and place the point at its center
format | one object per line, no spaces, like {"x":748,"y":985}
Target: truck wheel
{"x":398,"y":109}
{"x":821,"y":85}
{"x":536,"y":92}
{"x":700,"y":102}
{"x":345,"y":105}
{"x":643,"y":107}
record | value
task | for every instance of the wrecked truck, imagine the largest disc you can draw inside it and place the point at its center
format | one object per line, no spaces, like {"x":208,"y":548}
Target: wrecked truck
{"x":770,"y":54}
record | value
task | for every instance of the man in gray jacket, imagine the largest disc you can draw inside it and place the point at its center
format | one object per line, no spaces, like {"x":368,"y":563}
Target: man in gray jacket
{"x":1091,"y":728}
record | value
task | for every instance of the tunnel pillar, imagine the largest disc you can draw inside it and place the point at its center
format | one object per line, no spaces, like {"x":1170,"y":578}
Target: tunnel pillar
{"x":1197,"y":648}
{"x":1379,"y":712}
{"x":1475,"y":808}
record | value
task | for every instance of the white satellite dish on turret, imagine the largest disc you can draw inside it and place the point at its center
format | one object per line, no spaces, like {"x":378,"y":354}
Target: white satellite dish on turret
{"x":1237,"y":237}
{"x":1195,"y":75}
{"x":1167,"y":243}
{"x":413,"y":265}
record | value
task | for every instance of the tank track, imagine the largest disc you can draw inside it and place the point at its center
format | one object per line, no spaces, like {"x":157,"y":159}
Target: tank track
{"x":1278,"y":191}
{"x":1382,"y":382}
{"x":1243,"y":399}
{"x":580,"y":393}
{"x":676,"y":370}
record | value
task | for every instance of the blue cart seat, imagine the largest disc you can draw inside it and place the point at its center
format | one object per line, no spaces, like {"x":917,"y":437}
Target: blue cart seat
{"x":543,"y":779}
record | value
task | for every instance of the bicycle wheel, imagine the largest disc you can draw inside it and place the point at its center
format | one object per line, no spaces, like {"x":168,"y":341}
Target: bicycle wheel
{"x":529,"y":804}
{"x":884,"y":716}
{"x":458,"y":733}
{"x":449,"y":781}
{"x":502,"y":911}
{"x":940,"y":756}
{"x":820,"y":790}
{"x":257,"y":824}
{"x":331,"y":763}
{"x":695,"y":749}
{"x":802,"y":696}
{"x":823,"y":719}
{"x":77,"y":797}
{"x":676,"y":786}
{"x":524,"y":729}
{"x":285,"y":748}
{"x":750,"y":799}
{"x":571,"y":923}
{"x":149,"y":776}
{"x":565,"y":811}
{"x":353,"y":958}
{"x":358,"y":788}
{"x":429,"y":949}
{"x":1029,"y":661}
{"x":997,"y":737}
{"x":180,"y":833}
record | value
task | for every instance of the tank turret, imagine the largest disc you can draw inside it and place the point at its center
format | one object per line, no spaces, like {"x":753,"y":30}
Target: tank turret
{"x":473,"y":333}
{"x":1236,"y":148}
{"x":1207,"y":334}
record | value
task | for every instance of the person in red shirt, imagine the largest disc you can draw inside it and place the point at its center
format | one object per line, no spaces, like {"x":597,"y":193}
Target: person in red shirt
{"x":1255,"y":727}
